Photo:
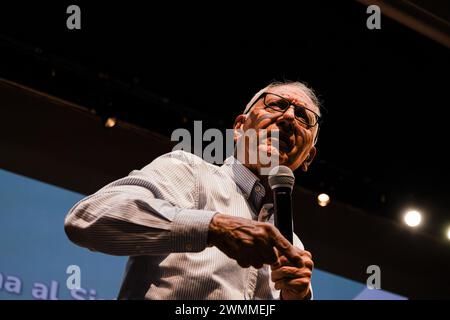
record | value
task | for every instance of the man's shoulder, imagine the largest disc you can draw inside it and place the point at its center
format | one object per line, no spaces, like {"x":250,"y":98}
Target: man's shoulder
{"x":181,"y":156}
{"x":177,"y":160}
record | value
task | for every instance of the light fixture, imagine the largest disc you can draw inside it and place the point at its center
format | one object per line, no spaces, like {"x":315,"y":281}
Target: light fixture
{"x":110,"y":122}
{"x":412,"y":218}
{"x":323,"y":199}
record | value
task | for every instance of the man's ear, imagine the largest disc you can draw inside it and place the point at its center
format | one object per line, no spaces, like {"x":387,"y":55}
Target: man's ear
{"x":309,"y":159}
{"x":239,"y":125}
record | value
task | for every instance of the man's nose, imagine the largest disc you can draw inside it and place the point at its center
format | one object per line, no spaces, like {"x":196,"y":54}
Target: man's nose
{"x":287,"y":119}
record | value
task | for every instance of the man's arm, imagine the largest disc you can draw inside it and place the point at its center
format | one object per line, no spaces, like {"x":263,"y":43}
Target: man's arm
{"x":136,"y":215}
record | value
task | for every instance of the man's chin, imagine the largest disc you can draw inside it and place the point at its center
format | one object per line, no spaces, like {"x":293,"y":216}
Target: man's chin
{"x":280,"y":156}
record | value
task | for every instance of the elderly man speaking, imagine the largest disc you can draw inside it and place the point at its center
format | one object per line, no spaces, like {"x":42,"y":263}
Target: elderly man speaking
{"x":194,"y":230}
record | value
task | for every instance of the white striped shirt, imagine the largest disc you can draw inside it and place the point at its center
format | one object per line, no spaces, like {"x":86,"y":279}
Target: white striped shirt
{"x":160,"y":215}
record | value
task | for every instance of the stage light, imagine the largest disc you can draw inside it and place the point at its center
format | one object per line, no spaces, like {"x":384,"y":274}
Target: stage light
{"x":448,"y":233}
{"x":412,"y":218}
{"x":110,"y":122}
{"x":323,"y":199}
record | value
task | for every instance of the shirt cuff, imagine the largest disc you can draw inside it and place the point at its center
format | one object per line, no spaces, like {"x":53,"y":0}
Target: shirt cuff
{"x":189,"y":232}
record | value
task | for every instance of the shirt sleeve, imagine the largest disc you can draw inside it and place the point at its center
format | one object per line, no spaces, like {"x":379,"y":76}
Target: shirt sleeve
{"x":153,"y":211}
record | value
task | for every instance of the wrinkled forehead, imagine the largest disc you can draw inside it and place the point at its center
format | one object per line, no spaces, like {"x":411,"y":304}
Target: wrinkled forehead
{"x":296,"y":94}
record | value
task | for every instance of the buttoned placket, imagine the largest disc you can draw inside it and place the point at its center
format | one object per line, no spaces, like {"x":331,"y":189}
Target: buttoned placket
{"x":256,"y":197}
{"x":254,"y":192}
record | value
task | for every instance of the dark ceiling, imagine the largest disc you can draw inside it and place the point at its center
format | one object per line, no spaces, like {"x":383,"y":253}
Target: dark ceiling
{"x":382,"y":145}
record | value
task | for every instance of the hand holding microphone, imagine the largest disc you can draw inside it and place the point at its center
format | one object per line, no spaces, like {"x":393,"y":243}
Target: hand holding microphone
{"x":253,"y":243}
{"x":250,"y":243}
{"x":291,"y":275}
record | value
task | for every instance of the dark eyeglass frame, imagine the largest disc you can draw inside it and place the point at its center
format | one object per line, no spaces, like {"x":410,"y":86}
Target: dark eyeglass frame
{"x":263,"y":96}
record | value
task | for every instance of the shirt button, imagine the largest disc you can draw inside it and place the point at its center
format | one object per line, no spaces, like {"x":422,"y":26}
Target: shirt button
{"x":188,"y":247}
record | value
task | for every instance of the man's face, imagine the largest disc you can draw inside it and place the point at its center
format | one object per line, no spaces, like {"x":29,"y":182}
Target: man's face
{"x":296,"y":139}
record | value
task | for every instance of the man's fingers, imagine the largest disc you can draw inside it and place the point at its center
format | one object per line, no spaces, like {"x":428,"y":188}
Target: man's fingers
{"x":293,"y":284}
{"x":294,"y":255}
{"x":308,"y":263}
{"x":281,"y":261}
{"x":307,"y":253}
{"x":285,"y":247}
{"x":286,"y":272}
{"x":265,"y":248}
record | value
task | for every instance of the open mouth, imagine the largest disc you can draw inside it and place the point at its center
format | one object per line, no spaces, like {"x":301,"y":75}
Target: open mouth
{"x":284,"y":146}
{"x":285,"y":142}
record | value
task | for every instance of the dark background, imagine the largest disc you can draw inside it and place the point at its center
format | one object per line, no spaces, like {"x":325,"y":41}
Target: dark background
{"x":382,"y":145}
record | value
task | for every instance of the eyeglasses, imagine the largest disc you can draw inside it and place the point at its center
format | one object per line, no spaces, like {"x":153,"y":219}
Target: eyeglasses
{"x":276,"y":103}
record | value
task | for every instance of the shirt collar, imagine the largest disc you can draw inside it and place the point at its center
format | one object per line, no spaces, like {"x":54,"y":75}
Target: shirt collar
{"x":247,"y":181}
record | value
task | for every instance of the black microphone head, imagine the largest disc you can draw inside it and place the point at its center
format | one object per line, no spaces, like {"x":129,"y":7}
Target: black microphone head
{"x":281,"y":176}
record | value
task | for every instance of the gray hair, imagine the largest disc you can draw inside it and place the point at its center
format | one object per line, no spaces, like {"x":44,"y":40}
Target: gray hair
{"x":303,"y":87}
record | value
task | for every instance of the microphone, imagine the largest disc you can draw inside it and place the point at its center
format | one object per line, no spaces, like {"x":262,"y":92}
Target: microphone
{"x":281,"y":181}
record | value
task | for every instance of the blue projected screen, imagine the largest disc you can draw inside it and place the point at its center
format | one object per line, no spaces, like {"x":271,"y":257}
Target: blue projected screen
{"x":35,"y":252}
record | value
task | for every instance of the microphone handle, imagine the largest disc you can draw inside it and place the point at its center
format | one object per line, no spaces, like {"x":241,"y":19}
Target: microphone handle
{"x":283,"y":212}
